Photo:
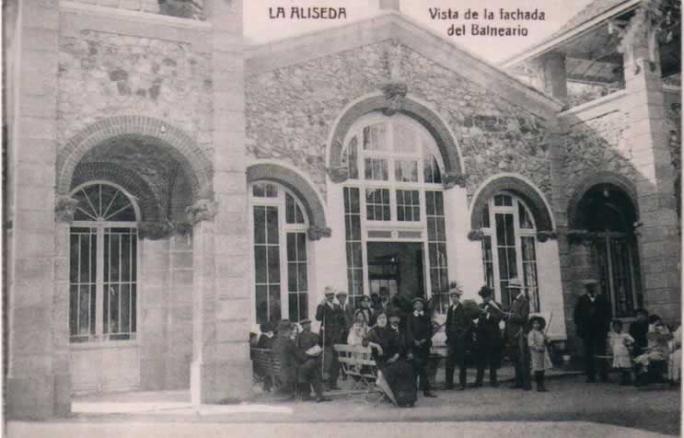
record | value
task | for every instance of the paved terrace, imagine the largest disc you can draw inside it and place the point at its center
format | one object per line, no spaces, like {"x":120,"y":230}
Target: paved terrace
{"x":571,"y":408}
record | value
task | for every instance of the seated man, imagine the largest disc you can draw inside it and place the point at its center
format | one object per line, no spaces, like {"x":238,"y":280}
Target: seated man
{"x":658,"y":350}
{"x":285,"y":351}
{"x":310,"y":365}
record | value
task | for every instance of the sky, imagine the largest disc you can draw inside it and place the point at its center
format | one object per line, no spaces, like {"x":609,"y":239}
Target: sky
{"x":260,"y":28}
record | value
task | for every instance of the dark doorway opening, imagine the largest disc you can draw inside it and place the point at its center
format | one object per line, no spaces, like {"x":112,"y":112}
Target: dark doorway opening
{"x":396,"y":268}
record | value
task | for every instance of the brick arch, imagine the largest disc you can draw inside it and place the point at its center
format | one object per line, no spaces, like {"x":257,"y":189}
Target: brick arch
{"x":177,"y":142}
{"x":148,"y":200}
{"x":297,"y":184}
{"x":591,"y":180}
{"x":409,"y":107}
{"x":516,"y":184}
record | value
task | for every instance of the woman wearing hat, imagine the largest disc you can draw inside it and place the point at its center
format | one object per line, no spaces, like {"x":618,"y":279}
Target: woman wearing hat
{"x":389,"y":351}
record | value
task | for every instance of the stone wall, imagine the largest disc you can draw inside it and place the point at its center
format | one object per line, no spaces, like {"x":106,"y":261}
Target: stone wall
{"x":291,"y":112}
{"x":103,"y":74}
{"x":593,"y":141}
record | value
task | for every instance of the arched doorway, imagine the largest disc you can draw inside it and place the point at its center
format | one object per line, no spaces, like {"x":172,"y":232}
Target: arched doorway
{"x":130,"y":252}
{"x":604,"y":219}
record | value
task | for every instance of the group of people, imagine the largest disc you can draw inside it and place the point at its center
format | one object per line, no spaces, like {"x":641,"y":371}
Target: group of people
{"x":646,"y":344}
{"x":399,"y":335}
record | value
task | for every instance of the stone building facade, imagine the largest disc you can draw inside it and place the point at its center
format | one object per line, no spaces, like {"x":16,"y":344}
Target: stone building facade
{"x":171,"y":188}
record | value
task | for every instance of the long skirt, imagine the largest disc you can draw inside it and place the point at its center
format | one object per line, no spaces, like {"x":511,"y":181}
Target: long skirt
{"x":401,"y":380}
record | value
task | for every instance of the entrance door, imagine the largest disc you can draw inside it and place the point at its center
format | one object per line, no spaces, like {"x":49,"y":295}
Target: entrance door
{"x":396,"y":268}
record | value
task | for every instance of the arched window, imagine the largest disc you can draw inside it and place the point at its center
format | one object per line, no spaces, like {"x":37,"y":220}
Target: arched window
{"x":103,"y":250}
{"x":394,"y":210}
{"x":509,"y":247}
{"x":280,"y":253}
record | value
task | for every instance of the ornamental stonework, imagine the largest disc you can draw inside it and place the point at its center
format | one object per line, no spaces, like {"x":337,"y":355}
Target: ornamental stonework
{"x":291,"y":111}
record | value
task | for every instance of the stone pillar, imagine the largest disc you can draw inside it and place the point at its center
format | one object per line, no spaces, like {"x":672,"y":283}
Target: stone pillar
{"x":33,"y":388}
{"x":222,"y":307}
{"x":464,"y":256}
{"x":554,"y":76}
{"x":647,"y":137}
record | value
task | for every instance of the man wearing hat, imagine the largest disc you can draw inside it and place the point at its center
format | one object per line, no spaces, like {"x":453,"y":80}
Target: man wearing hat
{"x":592,"y":319}
{"x":488,"y":341}
{"x":458,"y":328}
{"x":309,"y":349}
{"x":330,"y":315}
{"x":516,"y":334}
{"x":419,"y":334}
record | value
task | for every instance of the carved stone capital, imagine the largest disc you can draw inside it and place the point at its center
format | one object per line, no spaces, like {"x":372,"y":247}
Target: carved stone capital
{"x":452,"y":179}
{"x":65,"y":208}
{"x":543,"y":236}
{"x":338,"y":174}
{"x":155,"y":230}
{"x":475,"y":235}
{"x":202,"y":210}
{"x":316,"y":233}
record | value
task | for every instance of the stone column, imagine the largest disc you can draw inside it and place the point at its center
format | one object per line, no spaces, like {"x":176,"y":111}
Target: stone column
{"x":647,"y":137}
{"x":33,"y":389}
{"x":222,"y":311}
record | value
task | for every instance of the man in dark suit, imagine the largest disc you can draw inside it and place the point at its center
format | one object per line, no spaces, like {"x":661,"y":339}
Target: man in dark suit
{"x":592,"y":320}
{"x":458,"y":328}
{"x":419,"y":329}
{"x":330,"y":315}
{"x":516,"y":334}
{"x":347,"y":313}
{"x":308,"y":347}
{"x":488,"y":341}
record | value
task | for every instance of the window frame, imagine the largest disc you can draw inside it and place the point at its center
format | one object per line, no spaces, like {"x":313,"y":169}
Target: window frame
{"x":426,"y":148}
{"x":519,"y":232}
{"x":100,"y":339}
{"x":283,"y":230}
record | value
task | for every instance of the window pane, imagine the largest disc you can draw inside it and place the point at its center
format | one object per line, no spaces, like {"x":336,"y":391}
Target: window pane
{"x":503,"y":200}
{"x":376,"y":169}
{"x":272,"y":224}
{"x":259,"y":224}
{"x":261,"y":303}
{"x":405,"y":137}
{"x":377,"y":204}
{"x":260,"y":264}
{"x":375,"y":137}
{"x":353,"y":158}
{"x":524,"y":217}
{"x":406,"y":170}
{"x":408,"y":205}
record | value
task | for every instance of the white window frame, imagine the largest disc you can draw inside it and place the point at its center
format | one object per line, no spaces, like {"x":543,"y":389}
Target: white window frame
{"x":394,"y":226}
{"x":519,"y":233}
{"x":283,"y":229}
{"x":100,"y":226}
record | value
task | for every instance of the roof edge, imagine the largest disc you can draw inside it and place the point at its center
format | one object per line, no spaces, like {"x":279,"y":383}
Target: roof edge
{"x":587,"y":25}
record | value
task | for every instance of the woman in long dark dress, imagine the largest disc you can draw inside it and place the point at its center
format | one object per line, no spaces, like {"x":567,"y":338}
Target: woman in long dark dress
{"x":389,"y":352}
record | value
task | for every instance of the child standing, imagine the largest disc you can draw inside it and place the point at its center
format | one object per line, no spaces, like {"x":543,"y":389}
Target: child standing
{"x":620,"y":344}
{"x":536,"y":340}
